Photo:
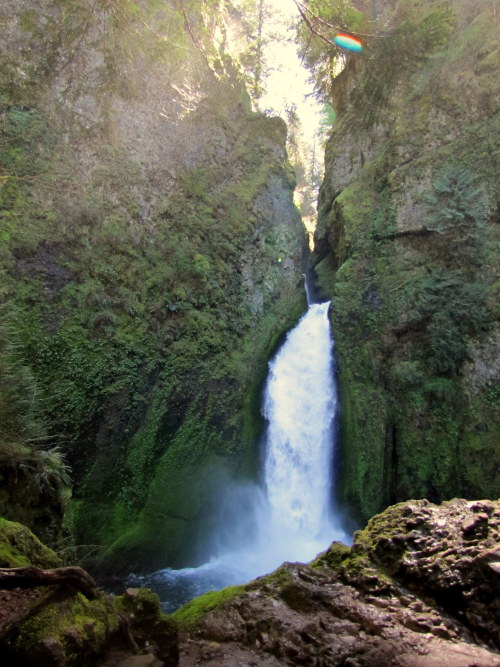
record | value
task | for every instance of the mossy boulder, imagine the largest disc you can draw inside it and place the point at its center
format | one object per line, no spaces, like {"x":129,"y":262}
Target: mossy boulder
{"x":67,"y":629}
{"x":19,"y":547}
{"x":149,"y":625}
{"x":54,"y":624}
{"x":63,"y":628}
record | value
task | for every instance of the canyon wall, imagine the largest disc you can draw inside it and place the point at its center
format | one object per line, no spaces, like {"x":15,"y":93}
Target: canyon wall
{"x":407,"y":248}
{"x":152,"y":259}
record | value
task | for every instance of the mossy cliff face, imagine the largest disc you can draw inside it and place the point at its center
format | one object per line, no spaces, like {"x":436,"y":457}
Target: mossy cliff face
{"x":144,"y":211}
{"x":407,"y":248}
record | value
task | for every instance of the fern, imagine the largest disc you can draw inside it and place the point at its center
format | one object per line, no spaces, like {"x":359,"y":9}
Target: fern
{"x":456,"y":209}
{"x":447,"y":308}
{"x":455,"y":201}
{"x":22,"y":429}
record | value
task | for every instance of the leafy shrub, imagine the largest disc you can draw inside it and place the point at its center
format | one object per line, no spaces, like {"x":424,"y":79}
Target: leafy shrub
{"x":393,"y":51}
{"x":456,"y":209}
{"x":447,"y":307}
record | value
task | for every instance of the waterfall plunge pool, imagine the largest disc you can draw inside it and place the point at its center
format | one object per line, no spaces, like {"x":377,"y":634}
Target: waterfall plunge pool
{"x":291,"y":516}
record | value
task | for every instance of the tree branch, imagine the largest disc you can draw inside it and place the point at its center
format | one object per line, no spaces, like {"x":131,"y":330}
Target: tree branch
{"x":31,"y":576}
{"x":191,"y":34}
{"x":302,"y":8}
{"x":311,"y":28}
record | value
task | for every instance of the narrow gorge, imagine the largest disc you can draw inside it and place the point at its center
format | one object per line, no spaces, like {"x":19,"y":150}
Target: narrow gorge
{"x":171,"y":415}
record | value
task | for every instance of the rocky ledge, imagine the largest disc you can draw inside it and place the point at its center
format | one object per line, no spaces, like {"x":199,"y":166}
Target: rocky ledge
{"x":420,"y":587}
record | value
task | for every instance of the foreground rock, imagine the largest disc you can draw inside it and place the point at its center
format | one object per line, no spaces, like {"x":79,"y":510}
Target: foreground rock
{"x":58,"y":625}
{"x":419,"y":588}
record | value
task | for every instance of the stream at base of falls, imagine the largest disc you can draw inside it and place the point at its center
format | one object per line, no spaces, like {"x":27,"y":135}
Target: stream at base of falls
{"x":290,"y":516}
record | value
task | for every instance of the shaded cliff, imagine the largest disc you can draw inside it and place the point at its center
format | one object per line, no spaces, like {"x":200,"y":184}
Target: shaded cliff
{"x":144,"y":211}
{"x":407,"y":248}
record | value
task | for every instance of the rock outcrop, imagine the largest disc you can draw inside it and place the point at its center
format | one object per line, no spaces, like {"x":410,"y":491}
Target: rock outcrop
{"x":419,"y":587}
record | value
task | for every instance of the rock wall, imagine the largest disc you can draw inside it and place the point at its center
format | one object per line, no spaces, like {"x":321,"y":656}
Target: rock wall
{"x":407,"y":248}
{"x":145,"y":208}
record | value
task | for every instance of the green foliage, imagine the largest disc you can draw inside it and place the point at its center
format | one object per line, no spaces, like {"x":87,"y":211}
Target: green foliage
{"x":456,"y":209}
{"x":34,"y":476}
{"x":327,"y":117}
{"x":407,"y":373}
{"x":327,"y":18}
{"x":445,"y":309}
{"x":254,"y":21}
{"x":391,"y":53}
{"x":393,"y":56}
{"x":20,"y":417}
{"x":46,"y":469}
{"x":492,"y":395}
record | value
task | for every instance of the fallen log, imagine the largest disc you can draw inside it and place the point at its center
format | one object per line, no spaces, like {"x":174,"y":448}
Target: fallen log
{"x":31,"y":576}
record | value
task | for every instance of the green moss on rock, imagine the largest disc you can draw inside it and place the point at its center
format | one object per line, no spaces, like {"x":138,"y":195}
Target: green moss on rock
{"x":148,"y":623}
{"x":191,"y":613}
{"x":68,"y":630}
{"x":19,"y":547}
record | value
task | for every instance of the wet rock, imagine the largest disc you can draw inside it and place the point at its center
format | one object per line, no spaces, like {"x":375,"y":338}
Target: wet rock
{"x":414,"y":590}
{"x":437,"y":607}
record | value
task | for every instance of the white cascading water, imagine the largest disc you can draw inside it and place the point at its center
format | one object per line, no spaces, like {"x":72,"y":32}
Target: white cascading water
{"x":291,"y":518}
{"x":300,"y":405}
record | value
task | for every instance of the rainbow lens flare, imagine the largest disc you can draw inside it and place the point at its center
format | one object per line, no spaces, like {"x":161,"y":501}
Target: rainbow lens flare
{"x":348,"y":42}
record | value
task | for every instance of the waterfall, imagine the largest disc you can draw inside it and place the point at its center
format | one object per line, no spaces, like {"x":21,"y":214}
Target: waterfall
{"x":289,"y":517}
{"x":300,"y":405}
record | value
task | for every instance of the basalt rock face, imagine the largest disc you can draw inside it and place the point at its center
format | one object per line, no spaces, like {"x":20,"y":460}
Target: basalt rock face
{"x":151,"y":261}
{"x":407,"y":248}
{"x":419,"y":587}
